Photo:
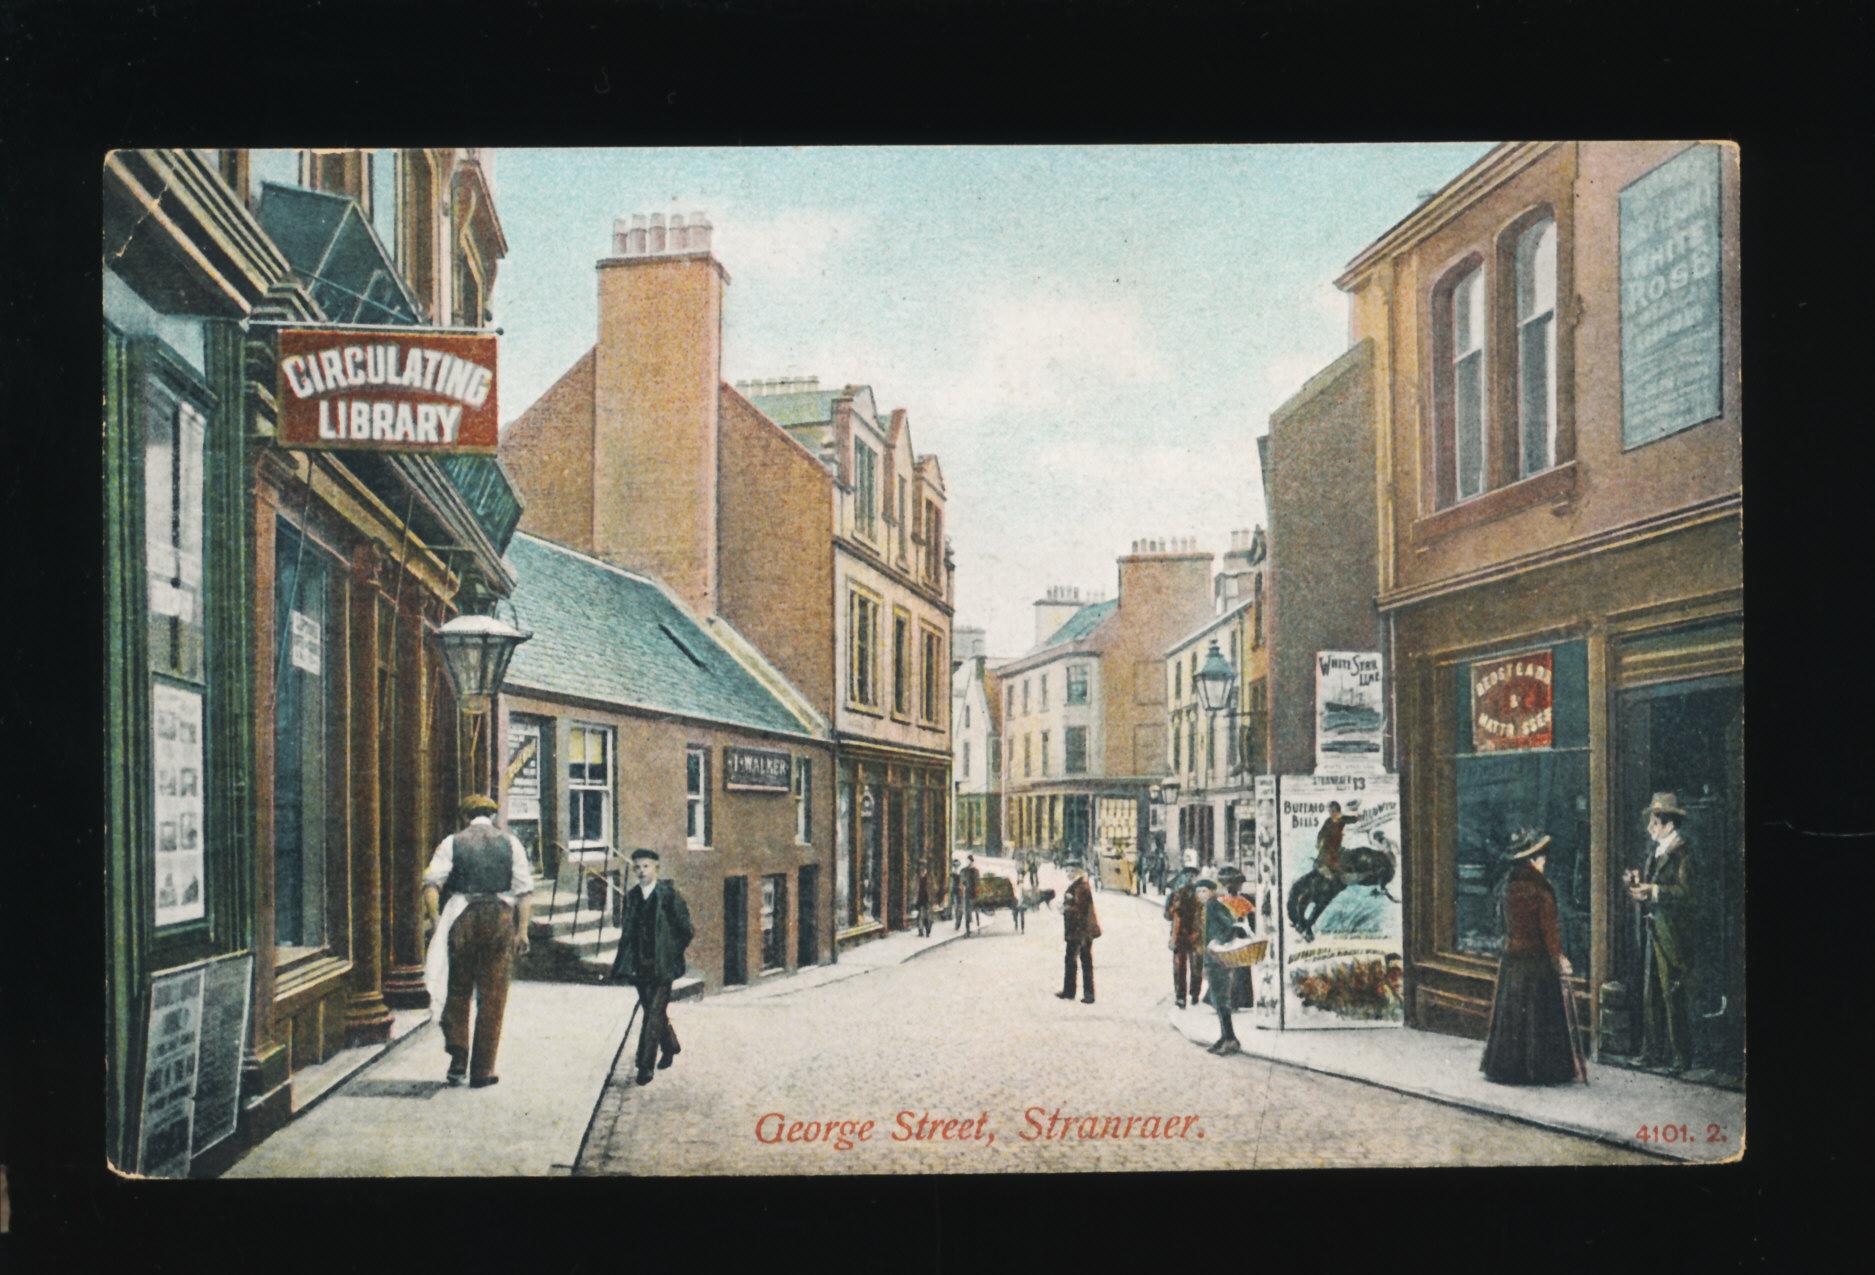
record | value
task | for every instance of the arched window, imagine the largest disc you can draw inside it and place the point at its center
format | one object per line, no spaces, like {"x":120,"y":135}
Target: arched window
{"x":1536,"y":347}
{"x":1468,"y":384}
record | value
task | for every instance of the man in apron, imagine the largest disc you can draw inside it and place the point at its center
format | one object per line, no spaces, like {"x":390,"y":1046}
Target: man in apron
{"x":480,"y":932}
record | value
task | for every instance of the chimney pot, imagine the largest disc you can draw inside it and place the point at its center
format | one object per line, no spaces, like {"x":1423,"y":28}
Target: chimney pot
{"x":678,"y":238}
{"x":655,"y":242}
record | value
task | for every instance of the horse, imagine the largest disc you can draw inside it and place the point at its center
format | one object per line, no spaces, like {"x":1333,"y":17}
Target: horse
{"x":1314,"y":890}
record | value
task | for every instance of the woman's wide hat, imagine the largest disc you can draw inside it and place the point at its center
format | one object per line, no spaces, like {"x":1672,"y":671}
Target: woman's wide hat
{"x":1527,"y":844}
{"x":1665,"y":803}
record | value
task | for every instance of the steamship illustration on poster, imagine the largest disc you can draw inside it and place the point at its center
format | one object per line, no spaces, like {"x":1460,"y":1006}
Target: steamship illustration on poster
{"x":857,"y":660}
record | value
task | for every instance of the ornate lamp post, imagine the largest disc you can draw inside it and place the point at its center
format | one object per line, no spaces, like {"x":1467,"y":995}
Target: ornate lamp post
{"x":1213,"y":680}
{"x":476,"y":648}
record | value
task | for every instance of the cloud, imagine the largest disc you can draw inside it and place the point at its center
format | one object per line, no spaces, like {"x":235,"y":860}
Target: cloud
{"x":1053,"y":349}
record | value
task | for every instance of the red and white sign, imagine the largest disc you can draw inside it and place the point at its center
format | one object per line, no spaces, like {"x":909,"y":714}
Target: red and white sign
{"x":1511,"y":703}
{"x":415,"y":391}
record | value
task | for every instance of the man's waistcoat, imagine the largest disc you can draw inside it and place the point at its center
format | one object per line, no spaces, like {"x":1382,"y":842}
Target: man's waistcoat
{"x":481,"y":862}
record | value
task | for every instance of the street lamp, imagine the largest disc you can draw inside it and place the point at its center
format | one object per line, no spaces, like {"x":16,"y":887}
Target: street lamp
{"x":476,"y":649}
{"x":1213,"y":680}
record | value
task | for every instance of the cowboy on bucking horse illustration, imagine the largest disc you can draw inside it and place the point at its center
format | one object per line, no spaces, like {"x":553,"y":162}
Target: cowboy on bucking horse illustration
{"x":1337,"y":868}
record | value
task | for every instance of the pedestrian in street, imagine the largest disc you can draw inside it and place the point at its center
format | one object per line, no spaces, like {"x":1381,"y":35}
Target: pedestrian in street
{"x":1080,"y":927}
{"x":1220,"y":927}
{"x":1186,"y":940}
{"x":1230,"y":881}
{"x":923,"y":900}
{"x":1022,"y":898}
{"x":1035,"y":869}
{"x":476,"y":935}
{"x":1528,"y":1041}
{"x":1095,"y":874}
{"x":967,"y":882}
{"x":1139,"y":875}
{"x":957,"y":894}
{"x":1664,"y":892}
{"x":654,"y":930}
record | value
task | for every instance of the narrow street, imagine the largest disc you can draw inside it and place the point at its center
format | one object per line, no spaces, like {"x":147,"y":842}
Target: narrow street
{"x":972,"y":1032}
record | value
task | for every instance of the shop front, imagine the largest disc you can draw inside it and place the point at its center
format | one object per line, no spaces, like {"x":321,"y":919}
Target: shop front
{"x":1566,"y":699}
{"x":891,"y":811}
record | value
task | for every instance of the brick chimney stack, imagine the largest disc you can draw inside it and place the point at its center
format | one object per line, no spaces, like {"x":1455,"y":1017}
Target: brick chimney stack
{"x":656,"y":377}
{"x":1053,"y":609}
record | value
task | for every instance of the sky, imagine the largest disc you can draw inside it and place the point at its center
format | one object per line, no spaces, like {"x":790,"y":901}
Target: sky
{"x":1089,"y":339}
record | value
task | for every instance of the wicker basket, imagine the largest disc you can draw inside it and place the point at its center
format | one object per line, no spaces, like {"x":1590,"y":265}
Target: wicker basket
{"x":1249,"y":954}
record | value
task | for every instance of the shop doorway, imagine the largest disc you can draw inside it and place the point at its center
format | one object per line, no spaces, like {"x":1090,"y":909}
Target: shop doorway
{"x":1685,"y":738}
{"x":735,"y":930}
{"x":809,"y":927}
{"x":898,"y":835}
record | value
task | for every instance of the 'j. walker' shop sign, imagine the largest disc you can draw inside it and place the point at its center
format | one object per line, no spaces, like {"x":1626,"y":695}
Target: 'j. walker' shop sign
{"x":757,"y":770}
{"x":416,"y":391}
{"x":1511,"y":702}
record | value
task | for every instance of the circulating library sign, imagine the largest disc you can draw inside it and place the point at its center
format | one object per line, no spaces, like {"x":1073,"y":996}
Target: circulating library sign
{"x":414,"y":391}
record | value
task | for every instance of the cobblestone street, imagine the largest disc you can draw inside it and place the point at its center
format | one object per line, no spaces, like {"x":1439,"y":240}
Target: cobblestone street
{"x":972,"y":1032}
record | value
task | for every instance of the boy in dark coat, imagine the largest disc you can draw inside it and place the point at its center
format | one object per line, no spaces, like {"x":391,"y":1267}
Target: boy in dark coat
{"x":1220,"y":927}
{"x":1186,"y":914}
{"x":655,"y":930}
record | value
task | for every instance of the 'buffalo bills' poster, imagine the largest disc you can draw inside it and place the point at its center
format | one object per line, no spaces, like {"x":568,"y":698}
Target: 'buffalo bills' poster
{"x":1340,"y":854}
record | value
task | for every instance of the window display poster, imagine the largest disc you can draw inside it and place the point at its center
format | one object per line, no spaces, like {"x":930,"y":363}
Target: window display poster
{"x":177,"y":826}
{"x":306,"y":643}
{"x":1350,"y":715}
{"x":1513,"y":702}
{"x":1263,"y":883}
{"x":169,"y":1068}
{"x":1339,"y":859}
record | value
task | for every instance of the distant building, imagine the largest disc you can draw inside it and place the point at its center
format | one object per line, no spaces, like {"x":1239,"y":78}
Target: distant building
{"x":1208,"y":800}
{"x":1083,"y":710}
{"x":976,"y":746}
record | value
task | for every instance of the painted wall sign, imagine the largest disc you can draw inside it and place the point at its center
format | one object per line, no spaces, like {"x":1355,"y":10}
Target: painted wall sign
{"x":1350,"y":714}
{"x":757,"y":770}
{"x":1670,"y":318}
{"x":415,"y":391}
{"x":1511,"y":703}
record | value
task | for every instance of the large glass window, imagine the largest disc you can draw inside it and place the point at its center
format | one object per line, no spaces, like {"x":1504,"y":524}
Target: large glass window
{"x":932,"y":676}
{"x":1077,"y":683}
{"x":589,"y":787}
{"x":872,"y":851}
{"x":1536,"y":347}
{"x":1468,"y":387}
{"x":845,"y":902}
{"x":1516,"y":771}
{"x":862,"y":677}
{"x":307,"y":729}
{"x":901,"y":663}
{"x":803,"y":800}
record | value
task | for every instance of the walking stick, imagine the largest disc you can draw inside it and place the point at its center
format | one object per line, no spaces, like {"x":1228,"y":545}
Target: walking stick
{"x":1575,"y":1044}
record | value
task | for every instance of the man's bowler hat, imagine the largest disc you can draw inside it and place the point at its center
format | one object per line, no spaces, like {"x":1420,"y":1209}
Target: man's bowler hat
{"x":1230,"y":872}
{"x":642,"y":853}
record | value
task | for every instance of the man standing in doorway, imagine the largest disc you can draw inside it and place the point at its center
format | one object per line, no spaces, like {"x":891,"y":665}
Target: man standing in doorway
{"x":1080,"y":927}
{"x":1664,"y":889}
{"x":477,"y":936}
{"x":654,"y":931}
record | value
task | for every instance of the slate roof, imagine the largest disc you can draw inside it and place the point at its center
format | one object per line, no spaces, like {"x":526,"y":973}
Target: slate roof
{"x":803,"y":407}
{"x":1081,"y":624}
{"x":605,"y":634}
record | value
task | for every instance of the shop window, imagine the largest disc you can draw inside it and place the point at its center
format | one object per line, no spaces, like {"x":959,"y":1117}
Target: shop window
{"x":803,"y":800}
{"x":1536,"y":347}
{"x":1519,"y":762}
{"x":589,"y":788}
{"x":1077,"y":683}
{"x":872,"y":852}
{"x":308,"y":785}
{"x":845,"y":901}
{"x":697,"y":798}
{"x":775,"y":922}
{"x":1076,"y":743}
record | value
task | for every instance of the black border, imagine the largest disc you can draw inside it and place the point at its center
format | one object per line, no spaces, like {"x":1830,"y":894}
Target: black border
{"x":1785,"y":80}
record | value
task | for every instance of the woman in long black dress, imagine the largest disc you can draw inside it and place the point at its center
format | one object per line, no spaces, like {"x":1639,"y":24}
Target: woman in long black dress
{"x":1529,"y":1043}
